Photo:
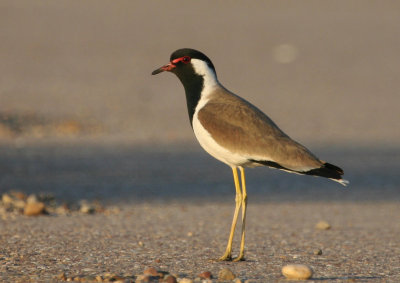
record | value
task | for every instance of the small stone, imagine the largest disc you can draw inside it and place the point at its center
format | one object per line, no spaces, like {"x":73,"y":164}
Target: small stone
{"x":170,"y":279}
{"x":237,"y":280}
{"x":185,"y":280}
{"x":190,"y":234}
{"x":62,"y":276}
{"x":146,"y":279}
{"x":323,"y":225}
{"x":86,"y":207}
{"x":297,"y":271}
{"x":109,"y":275}
{"x":7,"y":199}
{"x":62,"y":210}
{"x":117,"y":278}
{"x":34,"y":209}
{"x":151,"y":271}
{"x":89,"y":278}
{"x":226,"y":274}
{"x":19,"y":203}
{"x":205,"y":275}
{"x":318,"y":252}
{"x":78,"y":278}
{"x":19,"y":195}
{"x":32,"y":198}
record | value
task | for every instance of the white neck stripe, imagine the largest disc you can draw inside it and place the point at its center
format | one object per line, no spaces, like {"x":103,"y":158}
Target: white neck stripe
{"x":210,"y":78}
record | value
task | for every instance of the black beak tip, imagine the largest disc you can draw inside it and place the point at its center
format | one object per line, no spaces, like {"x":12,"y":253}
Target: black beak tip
{"x":155,"y":72}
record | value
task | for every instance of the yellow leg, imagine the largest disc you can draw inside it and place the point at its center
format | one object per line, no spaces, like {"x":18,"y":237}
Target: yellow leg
{"x":244,"y":208}
{"x":238,"y":200}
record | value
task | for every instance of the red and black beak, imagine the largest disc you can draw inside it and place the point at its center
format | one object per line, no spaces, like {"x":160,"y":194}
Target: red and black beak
{"x":172,"y":65}
{"x":168,"y":67}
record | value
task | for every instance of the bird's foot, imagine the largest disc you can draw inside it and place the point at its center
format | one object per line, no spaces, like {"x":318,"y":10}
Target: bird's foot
{"x":239,"y":258}
{"x":225,"y":257}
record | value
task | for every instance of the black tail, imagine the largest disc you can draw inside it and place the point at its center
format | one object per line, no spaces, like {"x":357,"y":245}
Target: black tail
{"x":327,"y":170}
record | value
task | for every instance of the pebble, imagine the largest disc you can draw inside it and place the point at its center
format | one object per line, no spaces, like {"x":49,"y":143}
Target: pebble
{"x":32,"y":198}
{"x":62,"y":210}
{"x":19,"y":203}
{"x":297,"y":271}
{"x":205,"y":275}
{"x":62,"y":276}
{"x":323,"y":225}
{"x":147,"y":278}
{"x":6,"y":199}
{"x":14,"y":203}
{"x":151,"y":271}
{"x":86,"y":208}
{"x":34,"y":208}
{"x":142,"y":278}
{"x":14,"y":200}
{"x":226,"y":274}
{"x":18,"y":195}
{"x":170,"y":279}
{"x":318,"y":252}
{"x":185,"y":280}
{"x":90,"y":278}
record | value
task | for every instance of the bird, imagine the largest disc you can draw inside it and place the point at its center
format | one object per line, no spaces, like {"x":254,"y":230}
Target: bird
{"x":237,"y":133}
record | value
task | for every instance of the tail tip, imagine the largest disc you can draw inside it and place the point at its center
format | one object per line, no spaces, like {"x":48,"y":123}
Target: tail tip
{"x":343,"y":182}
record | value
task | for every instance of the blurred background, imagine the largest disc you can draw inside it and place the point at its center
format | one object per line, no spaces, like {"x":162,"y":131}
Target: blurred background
{"x":74,"y":72}
{"x":326,"y":72}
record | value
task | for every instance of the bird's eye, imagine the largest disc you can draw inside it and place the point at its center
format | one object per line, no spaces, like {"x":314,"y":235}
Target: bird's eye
{"x":186,"y":59}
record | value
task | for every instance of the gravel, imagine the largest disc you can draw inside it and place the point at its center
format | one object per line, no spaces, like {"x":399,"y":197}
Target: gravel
{"x":363,"y":245}
{"x":177,"y":218}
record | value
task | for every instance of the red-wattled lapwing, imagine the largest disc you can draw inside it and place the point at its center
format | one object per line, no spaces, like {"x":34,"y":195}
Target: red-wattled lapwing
{"x":237,"y":133}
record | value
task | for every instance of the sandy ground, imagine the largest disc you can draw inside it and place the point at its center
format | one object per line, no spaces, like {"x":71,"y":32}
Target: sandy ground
{"x":82,"y":118}
{"x":176,"y":205}
{"x":183,"y":238}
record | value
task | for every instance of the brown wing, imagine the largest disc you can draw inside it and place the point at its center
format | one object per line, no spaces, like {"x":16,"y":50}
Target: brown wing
{"x":242,"y":128}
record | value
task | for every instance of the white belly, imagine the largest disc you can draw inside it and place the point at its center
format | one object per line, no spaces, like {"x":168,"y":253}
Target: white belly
{"x":213,"y":148}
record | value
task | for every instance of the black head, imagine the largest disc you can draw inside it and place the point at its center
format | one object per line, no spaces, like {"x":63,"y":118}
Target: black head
{"x":180,"y":62}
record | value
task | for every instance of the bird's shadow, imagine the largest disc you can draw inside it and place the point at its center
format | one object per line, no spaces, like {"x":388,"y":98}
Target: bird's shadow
{"x":187,"y":174}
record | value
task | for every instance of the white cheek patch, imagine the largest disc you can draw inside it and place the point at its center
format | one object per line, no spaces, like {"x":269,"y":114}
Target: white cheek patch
{"x":210,"y":79}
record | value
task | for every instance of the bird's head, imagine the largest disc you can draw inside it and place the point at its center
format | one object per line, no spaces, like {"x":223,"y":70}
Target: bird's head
{"x":187,"y":63}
